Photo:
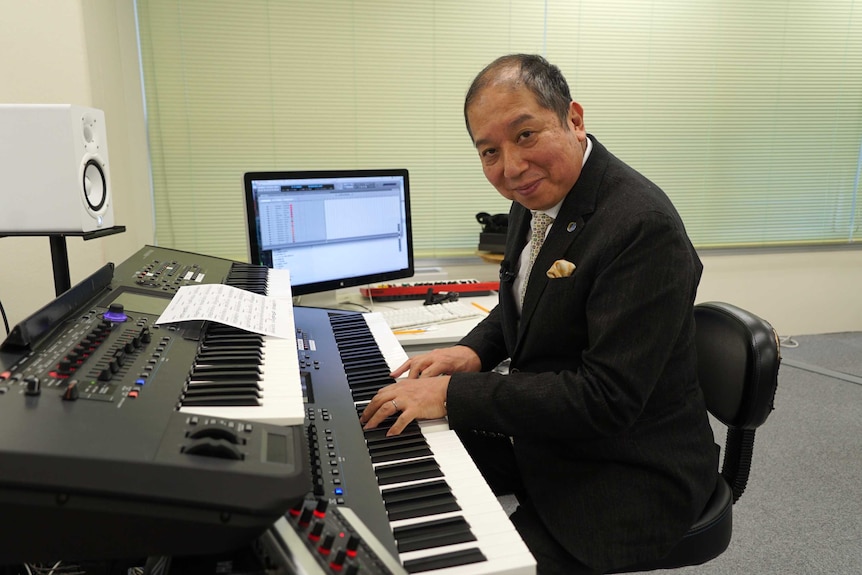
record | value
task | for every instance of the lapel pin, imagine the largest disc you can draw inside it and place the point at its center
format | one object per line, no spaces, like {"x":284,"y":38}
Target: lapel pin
{"x":571,"y":227}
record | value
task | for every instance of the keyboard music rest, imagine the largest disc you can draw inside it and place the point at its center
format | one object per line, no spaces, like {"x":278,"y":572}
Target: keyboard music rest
{"x":487,"y":542}
{"x":238,"y":374}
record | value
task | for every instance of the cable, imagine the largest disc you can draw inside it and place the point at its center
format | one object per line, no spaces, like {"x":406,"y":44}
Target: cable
{"x":788,"y":342}
{"x":5,"y":320}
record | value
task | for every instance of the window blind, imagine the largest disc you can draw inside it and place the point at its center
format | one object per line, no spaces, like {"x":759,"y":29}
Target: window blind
{"x":749,"y":115}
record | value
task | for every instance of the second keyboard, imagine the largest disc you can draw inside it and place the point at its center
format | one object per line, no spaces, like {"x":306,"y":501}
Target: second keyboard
{"x":422,"y":315}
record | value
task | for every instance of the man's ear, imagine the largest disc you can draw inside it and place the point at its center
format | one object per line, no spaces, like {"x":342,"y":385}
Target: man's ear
{"x":576,"y":119}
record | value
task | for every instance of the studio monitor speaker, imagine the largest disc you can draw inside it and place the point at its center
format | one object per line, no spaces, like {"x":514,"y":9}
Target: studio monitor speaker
{"x":54,"y":171}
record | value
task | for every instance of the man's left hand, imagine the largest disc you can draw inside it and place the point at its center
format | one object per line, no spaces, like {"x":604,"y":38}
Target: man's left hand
{"x":413,"y":398}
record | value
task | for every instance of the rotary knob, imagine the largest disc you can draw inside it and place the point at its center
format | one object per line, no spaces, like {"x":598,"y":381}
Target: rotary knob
{"x":116,"y":313}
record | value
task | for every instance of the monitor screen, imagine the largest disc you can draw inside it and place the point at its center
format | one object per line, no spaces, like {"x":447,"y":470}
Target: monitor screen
{"x":331,"y":229}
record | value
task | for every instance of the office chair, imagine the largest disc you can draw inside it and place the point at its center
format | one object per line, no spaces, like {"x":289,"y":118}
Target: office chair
{"x":738,"y":355}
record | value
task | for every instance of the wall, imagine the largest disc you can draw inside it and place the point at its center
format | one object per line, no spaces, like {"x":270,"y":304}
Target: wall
{"x":797,"y":291}
{"x":81,"y":52}
{"x":85,"y":52}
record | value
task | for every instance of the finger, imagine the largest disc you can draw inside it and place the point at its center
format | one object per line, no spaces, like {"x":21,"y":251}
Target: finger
{"x":401,"y":369}
{"x":400,"y":424}
{"x":371,"y":409}
{"x":385,"y":410}
{"x":366,"y":414}
{"x":431,"y":370}
{"x":415,"y":370}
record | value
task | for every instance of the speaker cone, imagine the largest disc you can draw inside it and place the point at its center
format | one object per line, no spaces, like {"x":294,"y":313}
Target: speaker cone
{"x":95,"y":186}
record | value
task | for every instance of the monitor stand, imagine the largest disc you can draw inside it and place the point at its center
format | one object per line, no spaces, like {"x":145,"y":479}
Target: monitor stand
{"x":347,"y":299}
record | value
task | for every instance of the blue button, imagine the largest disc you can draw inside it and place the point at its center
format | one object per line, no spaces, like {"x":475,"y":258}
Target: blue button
{"x":339,"y":491}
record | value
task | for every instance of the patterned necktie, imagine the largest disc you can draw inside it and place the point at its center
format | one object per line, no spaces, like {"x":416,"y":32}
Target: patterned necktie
{"x":540,"y":224}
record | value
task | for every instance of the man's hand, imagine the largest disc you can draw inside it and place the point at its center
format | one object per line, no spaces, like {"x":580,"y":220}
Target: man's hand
{"x":415,"y":399}
{"x":445,"y":361}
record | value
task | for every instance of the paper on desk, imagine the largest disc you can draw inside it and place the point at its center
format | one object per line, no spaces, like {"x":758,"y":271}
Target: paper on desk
{"x":232,"y":306}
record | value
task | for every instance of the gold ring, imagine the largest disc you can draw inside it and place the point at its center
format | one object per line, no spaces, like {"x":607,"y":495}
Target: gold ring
{"x":395,"y":405}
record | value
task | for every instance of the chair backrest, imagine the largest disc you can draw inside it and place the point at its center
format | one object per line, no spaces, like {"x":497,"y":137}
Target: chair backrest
{"x":738,"y":356}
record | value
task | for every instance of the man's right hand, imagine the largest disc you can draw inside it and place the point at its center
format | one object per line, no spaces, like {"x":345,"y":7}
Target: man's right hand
{"x":444,"y":361}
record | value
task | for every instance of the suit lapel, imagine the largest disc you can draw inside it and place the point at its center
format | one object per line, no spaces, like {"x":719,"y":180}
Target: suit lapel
{"x":567,"y":226}
{"x":519,"y":224}
{"x":574,"y":212}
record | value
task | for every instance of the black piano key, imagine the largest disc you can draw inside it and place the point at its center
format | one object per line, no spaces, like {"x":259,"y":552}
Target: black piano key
{"x":221,"y":390}
{"x":433,"y":505}
{"x":452,"y":559}
{"x":354,"y":381}
{"x":358,"y":340}
{"x":378,"y":435}
{"x":409,"y":492}
{"x":396,"y":453}
{"x":227,"y":362}
{"x":349,"y":355}
{"x":214,"y":400}
{"x":356,"y":369}
{"x":397,"y":441}
{"x":363,"y":387}
{"x":228,"y":370}
{"x":379,"y":432}
{"x":390,"y":473}
{"x":252,"y":385}
{"x":366,"y":395}
{"x":359,"y":377}
{"x":226,"y":348}
{"x":353,"y":329}
{"x":359,"y":366}
{"x":233,"y":339}
{"x":437,"y":533}
{"x":219,"y":357}
{"x":222,"y":372}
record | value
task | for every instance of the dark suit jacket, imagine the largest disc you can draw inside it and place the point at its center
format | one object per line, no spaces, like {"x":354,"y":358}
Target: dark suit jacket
{"x":602,"y":400}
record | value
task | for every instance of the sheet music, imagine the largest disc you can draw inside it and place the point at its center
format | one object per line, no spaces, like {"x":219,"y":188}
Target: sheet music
{"x":234,"y":307}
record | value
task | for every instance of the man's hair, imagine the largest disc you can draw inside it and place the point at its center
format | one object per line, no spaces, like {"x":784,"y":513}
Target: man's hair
{"x":539,"y":76}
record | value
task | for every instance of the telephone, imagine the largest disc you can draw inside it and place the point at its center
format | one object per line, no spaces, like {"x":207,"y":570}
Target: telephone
{"x":493,"y":236}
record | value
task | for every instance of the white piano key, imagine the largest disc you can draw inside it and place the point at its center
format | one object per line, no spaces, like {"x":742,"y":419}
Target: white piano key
{"x":388,"y":344}
{"x":282,"y":401}
{"x":497,"y":538}
{"x":501,"y":559}
{"x":495,"y":535}
{"x":278,"y":284}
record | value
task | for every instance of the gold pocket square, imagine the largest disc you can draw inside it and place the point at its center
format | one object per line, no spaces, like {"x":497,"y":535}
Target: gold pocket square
{"x":560,"y":269}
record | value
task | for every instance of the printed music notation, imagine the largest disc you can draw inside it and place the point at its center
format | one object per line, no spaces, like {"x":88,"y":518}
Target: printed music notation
{"x":234,"y":307}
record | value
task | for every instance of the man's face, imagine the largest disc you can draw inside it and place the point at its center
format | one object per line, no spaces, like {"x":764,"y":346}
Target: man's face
{"x":525,"y":152}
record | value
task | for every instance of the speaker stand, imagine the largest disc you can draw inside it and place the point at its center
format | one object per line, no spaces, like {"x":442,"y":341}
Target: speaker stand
{"x":60,"y":252}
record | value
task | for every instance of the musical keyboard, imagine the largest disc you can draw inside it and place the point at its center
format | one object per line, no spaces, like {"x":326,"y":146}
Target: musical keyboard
{"x":442,"y":515}
{"x":420,"y":290}
{"x":96,"y":384}
{"x":242,"y":426}
{"x":246,"y":375}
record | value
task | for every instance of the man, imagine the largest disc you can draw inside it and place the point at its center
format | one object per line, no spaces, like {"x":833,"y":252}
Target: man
{"x":600,"y":427}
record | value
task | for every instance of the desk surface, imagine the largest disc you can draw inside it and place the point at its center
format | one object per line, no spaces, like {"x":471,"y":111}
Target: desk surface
{"x":437,"y":335}
{"x":441,"y":334}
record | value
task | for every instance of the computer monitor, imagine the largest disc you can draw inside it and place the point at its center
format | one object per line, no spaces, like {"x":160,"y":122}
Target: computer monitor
{"x":331,"y":229}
